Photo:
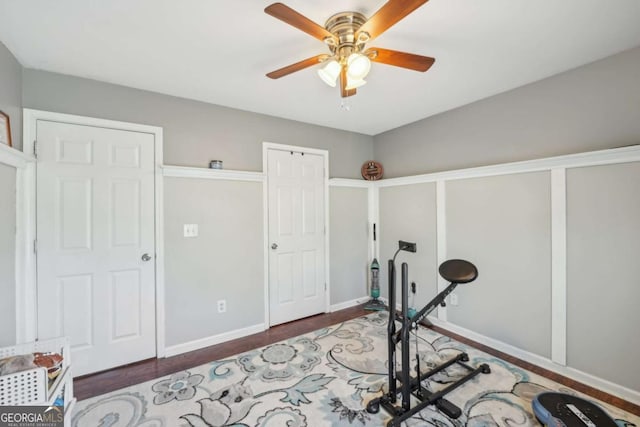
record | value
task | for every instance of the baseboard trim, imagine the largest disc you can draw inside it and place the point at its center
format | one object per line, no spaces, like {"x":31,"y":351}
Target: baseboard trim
{"x":609,"y":387}
{"x":207,"y":173}
{"x":347,"y":304}
{"x":174,"y":350}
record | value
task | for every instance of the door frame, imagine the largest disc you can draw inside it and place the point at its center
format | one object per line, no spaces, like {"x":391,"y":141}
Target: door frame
{"x":27,"y":326}
{"x":266,"y":146}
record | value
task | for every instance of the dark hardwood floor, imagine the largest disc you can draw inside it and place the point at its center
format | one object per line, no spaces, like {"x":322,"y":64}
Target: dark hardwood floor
{"x":124,"y":376}
{"x":114,"y":379}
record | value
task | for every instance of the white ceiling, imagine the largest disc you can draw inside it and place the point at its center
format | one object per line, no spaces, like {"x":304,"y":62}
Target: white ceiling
{"x":218,"y":51}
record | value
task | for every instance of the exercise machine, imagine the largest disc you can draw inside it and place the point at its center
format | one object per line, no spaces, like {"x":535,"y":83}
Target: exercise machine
{"x":456,"y":272}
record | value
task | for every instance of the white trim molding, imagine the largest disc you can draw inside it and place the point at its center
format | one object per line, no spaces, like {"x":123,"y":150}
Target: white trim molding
{"x":327,"y":237}
{"x":174,"y":350}
{"x":591,"y":158}
{"x":373,"y":211}
{"x":11,"y":157}
{"x":22,"y":163}
{"x":350,"y":183}
{"x":25,"y":265}
{"x":295,"y":148}
{"x":559,"y":266}
{"x":265,"y":237}
{"x":206,"y":173}
{"x":441,"y":239}
{"x":30,"y":126}
{"x":159,"y":234}
{"x":348,"y":304}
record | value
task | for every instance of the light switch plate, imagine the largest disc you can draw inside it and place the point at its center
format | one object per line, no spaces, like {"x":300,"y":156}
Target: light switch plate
{"x":191,"y":230}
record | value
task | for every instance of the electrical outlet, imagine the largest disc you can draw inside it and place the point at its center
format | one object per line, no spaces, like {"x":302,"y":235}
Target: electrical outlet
{"x":222,"y":306}
{"x":453,"y":299}
{"x":191,"y":230}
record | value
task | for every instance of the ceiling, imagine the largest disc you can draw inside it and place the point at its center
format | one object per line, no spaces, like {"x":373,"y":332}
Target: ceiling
{"x":219,"y":51}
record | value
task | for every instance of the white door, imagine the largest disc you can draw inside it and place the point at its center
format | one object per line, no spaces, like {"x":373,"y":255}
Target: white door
{"x":296,"y":235}
{"x":95,"y":240}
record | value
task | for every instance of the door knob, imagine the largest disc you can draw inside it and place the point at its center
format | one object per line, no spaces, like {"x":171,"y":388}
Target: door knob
{"x":146,"y":257}
{"x":274,"y":246}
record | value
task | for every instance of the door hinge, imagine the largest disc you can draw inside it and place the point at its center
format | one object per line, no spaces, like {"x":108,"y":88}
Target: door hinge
{"x":35,"y":149}
{"x":325,"y":287}
{"x":35,"y":246}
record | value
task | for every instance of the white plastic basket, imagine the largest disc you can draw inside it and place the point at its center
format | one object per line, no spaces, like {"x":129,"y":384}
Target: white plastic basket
{"x":23,"y":388}
{"x":33,"y":386}
{"x":56,"y":345}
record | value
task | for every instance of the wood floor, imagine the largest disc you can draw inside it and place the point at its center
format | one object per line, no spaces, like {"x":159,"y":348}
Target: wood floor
{"x":114,"y":379}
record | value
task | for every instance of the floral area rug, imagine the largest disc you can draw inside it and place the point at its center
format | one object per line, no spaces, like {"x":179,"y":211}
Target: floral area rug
{"x":324,"y":378}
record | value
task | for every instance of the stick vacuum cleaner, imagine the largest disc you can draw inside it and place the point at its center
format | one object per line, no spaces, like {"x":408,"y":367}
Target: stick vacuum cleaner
{"x":374,"y":303}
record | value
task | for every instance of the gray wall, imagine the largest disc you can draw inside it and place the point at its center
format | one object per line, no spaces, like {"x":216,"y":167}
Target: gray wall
{"x":408,"y":213}
{"x":590,"y":108}
{"x":224,"y":262}
{"x":7,"y":255}
{"x":603,"y":243}
{"x":348,"y":234}
{"x":506,"y":230}
{"x":194,"y":132}
{"x":11,"y":93}
{"x":11,"y":104}
{"x":503,"y":225}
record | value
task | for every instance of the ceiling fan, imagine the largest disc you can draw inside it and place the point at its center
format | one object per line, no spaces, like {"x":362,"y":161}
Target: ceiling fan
{"x":346,"y":34}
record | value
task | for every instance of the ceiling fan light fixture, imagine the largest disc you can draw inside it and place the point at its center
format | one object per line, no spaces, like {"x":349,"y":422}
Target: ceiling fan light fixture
{"x":346,"y":34}
{"x":354,"y":83}
{"x":358,"y":66}
{"x":329,"y":72}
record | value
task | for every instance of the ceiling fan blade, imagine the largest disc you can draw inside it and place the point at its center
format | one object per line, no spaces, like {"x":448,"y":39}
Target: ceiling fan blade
{"x":388,"y":15}
{"x":305,"y":63}
{"x":301,"y":22}
{"x":400,"y":59}
{"x":344,"y":92}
